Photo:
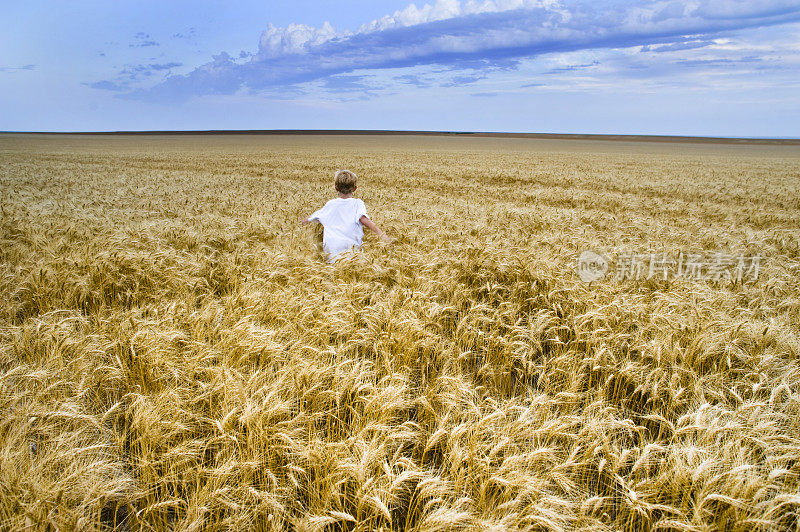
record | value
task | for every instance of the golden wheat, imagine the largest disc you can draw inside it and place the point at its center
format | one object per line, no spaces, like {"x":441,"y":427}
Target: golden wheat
{"x":175,"y":355}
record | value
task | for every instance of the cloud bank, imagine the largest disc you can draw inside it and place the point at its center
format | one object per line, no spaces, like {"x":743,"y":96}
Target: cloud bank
{"x":468,"y":35}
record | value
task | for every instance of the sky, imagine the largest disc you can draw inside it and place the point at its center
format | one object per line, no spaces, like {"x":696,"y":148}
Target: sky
{"x":726,"y":68}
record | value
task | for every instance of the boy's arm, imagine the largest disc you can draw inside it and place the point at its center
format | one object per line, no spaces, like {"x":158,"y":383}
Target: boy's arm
{"x":369,"y":224}
{"x":310,"y":218}
{"x":314,"y":216}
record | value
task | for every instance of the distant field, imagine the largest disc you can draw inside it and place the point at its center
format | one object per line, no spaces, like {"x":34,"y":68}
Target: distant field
{"x":175,"y":354}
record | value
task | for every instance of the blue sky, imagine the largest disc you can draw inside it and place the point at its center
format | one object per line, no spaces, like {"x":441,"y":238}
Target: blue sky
{"x":700,"y":67}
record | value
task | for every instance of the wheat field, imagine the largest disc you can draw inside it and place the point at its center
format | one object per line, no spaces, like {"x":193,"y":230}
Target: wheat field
{"x":175,"y":354}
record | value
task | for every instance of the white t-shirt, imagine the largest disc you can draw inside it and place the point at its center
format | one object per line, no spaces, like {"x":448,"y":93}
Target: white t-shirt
{"x":342,"y":228}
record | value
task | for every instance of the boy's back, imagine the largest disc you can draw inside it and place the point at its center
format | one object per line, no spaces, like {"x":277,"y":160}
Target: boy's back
{"x":340,"y":218}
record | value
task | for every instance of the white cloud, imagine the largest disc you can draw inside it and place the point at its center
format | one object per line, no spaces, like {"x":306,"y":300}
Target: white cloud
{"x":294,"y":39}
{"x":298,"y":38}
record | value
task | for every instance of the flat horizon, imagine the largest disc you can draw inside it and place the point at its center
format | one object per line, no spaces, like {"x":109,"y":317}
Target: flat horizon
{"x":498,"y":134}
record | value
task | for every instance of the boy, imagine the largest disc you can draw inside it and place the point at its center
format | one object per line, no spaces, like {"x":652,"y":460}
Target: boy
{"x":343,"y":219}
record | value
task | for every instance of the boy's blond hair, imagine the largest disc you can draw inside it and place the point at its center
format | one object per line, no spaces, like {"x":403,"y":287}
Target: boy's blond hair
{"x":345,"y":181}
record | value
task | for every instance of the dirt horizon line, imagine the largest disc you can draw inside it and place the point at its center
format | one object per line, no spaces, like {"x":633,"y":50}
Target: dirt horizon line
{"x":365,"y":132}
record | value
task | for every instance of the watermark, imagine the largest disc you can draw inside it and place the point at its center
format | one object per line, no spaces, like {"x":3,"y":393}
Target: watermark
{"x":715,"y":267}
{"x":591,"y":266}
